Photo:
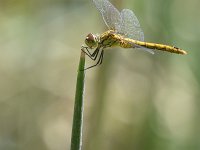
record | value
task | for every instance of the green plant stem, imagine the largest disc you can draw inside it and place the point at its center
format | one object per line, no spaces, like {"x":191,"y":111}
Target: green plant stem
{"x":76,"y":137}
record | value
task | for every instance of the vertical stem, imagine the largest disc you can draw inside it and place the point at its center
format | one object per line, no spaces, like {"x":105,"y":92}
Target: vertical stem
{"x":76,"y":137}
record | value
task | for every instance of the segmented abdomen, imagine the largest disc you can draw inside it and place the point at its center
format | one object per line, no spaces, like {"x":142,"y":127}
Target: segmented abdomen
{"x":130,"y":43}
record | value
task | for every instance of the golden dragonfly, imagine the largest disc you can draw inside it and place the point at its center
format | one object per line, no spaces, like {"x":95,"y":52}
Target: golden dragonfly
{"x":124,"y":31}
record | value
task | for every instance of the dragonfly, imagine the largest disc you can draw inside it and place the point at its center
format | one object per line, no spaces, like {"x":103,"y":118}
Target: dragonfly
{"x":123,"y":31}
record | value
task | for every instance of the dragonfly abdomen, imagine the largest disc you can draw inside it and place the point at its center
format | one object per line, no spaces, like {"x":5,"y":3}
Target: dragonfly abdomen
{"x":162,"y":47}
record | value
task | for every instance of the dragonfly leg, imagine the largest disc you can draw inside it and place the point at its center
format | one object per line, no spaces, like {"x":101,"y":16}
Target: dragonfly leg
{"x":85,"y":47}
{"x":102,"y":53}
{"x":98,"y":62}
{"x":87,"y":53}
{"x":93,"y":55}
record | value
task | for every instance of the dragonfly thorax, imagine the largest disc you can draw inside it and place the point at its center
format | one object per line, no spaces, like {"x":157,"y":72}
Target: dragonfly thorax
{"x":92,"y":40}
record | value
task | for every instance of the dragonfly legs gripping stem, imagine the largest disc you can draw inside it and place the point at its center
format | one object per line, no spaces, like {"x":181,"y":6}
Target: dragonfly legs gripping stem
{"x":93,"y":56}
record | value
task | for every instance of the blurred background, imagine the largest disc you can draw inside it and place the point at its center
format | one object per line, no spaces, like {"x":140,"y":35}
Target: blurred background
{"x":133,"y":101}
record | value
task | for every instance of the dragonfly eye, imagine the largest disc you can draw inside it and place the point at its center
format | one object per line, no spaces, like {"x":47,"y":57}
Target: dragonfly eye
{"x":91,"y":40}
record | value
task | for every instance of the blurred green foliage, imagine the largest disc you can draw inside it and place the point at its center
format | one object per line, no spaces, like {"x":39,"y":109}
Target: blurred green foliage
{"x":135,"y":100}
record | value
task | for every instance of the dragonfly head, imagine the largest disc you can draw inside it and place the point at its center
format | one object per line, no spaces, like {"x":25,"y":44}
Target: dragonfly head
{"x":91,"y":40}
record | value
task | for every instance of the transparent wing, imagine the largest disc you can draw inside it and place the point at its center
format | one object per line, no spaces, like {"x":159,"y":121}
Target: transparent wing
{"x":110,"y":14}
{"x":130,"y":25}
{"x":144,"y":48}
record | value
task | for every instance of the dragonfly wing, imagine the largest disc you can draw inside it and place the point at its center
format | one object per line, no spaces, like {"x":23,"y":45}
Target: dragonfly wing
{"x":110,"y":14}
{"x":130,"y":25}
{"x":144,"y":48}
